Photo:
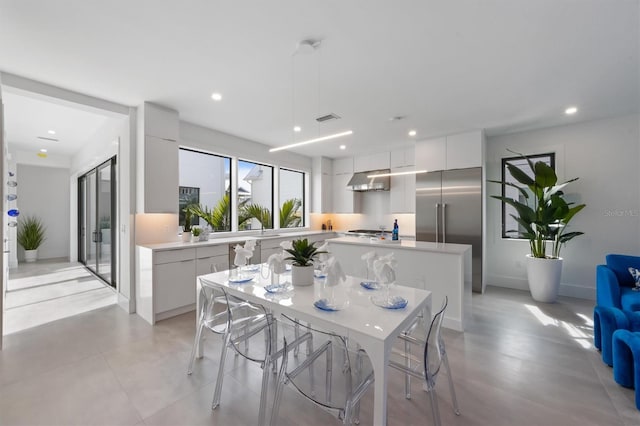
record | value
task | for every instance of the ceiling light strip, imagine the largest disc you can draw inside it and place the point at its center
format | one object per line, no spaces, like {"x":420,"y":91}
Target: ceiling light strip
{"x":413,"y":172}
{"x":310,"y":141}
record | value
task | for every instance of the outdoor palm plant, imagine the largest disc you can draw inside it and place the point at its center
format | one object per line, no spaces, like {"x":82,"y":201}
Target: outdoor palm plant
{"x":289,"y":213}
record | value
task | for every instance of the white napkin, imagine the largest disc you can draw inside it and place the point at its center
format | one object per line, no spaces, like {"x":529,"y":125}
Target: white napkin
{"x":323,"y":257}
{"x":242,"y":255}
{"x":384,"y":268}
{"x":286,"y":245}
{"x":250,"y":245}
{"x":276,"y":263}
{"x":369,"y":258}
{"x":334,"y":272}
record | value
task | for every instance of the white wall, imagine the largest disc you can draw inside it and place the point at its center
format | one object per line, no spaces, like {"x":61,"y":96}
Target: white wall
{"x":604,"y":155}
{"x":44,"y":192}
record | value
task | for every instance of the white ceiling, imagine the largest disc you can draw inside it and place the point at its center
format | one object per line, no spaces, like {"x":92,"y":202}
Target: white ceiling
{"x":448,"y":66}
{"x":28,"y":118}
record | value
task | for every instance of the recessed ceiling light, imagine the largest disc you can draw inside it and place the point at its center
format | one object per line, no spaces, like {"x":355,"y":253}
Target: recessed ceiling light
{"x":343,"y":147}
{"x":571,"y":110}
{"x":52,"y":132}
{"x":297,"y":128}
{"x":43,"y":150}
{"x":412,"y":133}
{"x":216,"y":96}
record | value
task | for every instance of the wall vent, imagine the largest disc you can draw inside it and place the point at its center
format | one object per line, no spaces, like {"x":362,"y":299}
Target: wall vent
{"x":328,"y":117}
{"x":47,"y":139}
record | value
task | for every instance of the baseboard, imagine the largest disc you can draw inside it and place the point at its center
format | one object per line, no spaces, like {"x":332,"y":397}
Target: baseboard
{"x":452,"y":323}
{"x":577,"y":291}
{"x":175,"y":312}
{"x":127,"y":305}
{"x":568,"y":290}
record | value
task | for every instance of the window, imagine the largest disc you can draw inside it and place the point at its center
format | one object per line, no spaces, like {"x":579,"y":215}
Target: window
{"x":291,"y":199}
{"x":205,"y":181}
{"x":255,"y":196}
{"x":508,"y":222}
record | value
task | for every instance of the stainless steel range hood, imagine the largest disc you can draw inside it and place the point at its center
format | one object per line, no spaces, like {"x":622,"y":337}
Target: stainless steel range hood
{"x":360,"y":181}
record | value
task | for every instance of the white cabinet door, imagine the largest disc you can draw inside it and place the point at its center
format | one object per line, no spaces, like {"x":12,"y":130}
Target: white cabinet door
{"x":431,"y":154}
{"x":208,"y":265}
{"x":344,"y":199}
{"x":403,"y":157}
{"x":175,"y":285}
{"x":464,"y":150}
{"x":160,"y":175}
{"x":343,"y":165}
{"x":376,"y":161}
{"x":321,"y":185}
{"x":402,"y":197}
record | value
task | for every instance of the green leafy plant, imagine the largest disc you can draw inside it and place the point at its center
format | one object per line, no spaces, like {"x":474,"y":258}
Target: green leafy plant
{"x":195,"y":231}
{"x":30,"y":233}
{"x":544,"y":214}
{"x":260,"y":213}
{"x":303,"y":252}
{"x":290,"y":216}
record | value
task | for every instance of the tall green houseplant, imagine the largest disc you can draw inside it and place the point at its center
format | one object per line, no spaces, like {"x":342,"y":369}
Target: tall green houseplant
{"x":30,"y":233}
{"x":543,"y":213}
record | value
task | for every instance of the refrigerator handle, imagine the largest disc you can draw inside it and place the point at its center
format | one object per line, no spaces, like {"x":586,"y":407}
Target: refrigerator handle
{"x":437,"y":221}
{"x":444,"y":222}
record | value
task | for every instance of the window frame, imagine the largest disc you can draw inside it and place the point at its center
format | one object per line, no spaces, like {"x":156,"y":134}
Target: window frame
{"x":505,"y":160}
{"x":273,"y":169}
{"x":232,"y":205}
{"x":303,"y":222}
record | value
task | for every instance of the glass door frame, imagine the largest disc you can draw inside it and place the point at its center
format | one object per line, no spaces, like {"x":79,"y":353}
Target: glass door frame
{"x":83,"y":240}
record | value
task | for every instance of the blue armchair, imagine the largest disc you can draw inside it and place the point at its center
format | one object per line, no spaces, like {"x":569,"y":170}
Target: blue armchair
{"x":606,"y":321}
{"x":614,"y":283}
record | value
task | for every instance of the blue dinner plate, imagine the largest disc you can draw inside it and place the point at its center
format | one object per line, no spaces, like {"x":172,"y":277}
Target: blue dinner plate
{"x":370,"y":285}
{"x":393,"y":302}
{"x":324,"y":305}
{"x":240,"y":280}
{"x":278,"y":288}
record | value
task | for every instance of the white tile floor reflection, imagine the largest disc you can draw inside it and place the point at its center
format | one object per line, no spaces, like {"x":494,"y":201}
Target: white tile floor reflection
{"x":49,"y":290}
{"x":521,"y":363}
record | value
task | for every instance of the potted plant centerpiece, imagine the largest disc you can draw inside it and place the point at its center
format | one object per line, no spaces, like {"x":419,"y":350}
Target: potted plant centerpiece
{"x":195,"y":234}
{"x":30,"y":237}
{"x":302,"y":254}
{"x":542,"y":215}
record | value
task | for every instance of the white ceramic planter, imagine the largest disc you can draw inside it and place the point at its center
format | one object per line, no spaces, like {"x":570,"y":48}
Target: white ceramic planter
{"x":302,"y":275}
{"x":30,"y":255}
{"x":544,"y":278}
{"x":186,"y":236}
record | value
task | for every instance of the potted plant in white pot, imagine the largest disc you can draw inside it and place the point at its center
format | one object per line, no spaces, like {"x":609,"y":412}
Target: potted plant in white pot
{"x":186,"y":228}
{"x":302,"y":255}
{"x":30,"y":237}
{"x":543,"y":215}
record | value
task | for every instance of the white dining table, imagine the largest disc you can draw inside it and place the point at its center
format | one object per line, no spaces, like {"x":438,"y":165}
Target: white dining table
{"x":374,"y":328}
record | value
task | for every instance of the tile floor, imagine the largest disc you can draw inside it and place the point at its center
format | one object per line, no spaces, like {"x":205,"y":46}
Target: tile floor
{"x":521,"y":363}
{"x":49,"y":290}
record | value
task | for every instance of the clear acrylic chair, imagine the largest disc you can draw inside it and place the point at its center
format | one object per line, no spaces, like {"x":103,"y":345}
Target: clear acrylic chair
{"x":347,"y":373}
{"x":430,"y":355}
{"x":248,"y":329}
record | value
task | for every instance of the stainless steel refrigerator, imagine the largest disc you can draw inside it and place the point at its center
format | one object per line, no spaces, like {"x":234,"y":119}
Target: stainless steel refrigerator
{"x":449,"y":210}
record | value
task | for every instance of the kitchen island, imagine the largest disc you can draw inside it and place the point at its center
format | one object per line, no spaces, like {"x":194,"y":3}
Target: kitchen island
{"x":442,"y":268}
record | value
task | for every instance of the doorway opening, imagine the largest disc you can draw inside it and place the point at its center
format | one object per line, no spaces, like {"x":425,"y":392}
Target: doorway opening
{"x":97,"y":213}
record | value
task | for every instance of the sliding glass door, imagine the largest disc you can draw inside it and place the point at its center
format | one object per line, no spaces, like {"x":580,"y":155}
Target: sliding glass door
{"x":97,"y":220}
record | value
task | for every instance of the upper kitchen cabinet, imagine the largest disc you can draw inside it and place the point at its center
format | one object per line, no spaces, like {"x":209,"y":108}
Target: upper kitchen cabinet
{"x":403,"y":157}
{"x":365,"y":163}
{"x":158,"y":130}
{"x":344,"y":199}
{"x":322,"y":185}
{"x":459,"y":151}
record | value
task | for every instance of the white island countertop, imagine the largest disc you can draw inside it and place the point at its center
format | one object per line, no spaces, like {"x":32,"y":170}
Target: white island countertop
{"x":212,"y":241}
{"x":404,"y":244}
